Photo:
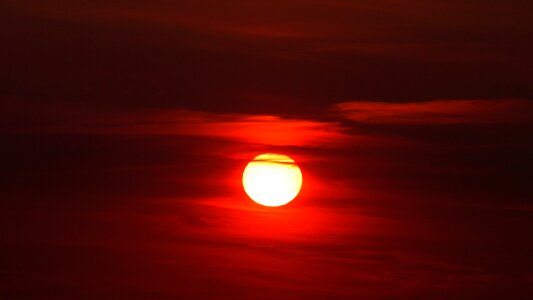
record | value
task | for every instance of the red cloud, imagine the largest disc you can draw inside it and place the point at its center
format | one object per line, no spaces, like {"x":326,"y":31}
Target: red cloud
{"x":258,"y":129}
{"x":438,"y":112}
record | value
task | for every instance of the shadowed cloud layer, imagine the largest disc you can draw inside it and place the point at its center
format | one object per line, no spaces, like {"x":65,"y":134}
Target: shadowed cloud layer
{"x":439,"y":112}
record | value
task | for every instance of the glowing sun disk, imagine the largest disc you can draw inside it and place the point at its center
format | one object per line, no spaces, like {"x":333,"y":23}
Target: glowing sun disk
{"x":272,"y":179}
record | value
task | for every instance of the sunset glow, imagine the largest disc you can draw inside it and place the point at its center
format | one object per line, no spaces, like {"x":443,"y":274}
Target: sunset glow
{"x":158,"y":149}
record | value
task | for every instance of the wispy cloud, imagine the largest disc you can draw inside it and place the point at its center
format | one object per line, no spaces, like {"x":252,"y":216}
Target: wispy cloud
{"x":257,"y":129}
{"x":260,"y":129}
{"x":438,"y":112}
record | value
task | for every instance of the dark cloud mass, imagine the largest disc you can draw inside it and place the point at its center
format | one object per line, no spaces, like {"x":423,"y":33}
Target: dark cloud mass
{"x":126,"y":126}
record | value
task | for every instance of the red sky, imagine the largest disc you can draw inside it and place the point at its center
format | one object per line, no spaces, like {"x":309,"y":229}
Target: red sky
{"x":126,"y":126}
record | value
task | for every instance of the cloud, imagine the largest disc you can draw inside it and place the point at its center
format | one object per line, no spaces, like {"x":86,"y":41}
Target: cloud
{"x":257,"y":129}
{"x":438,"y":112}
{"x":270,"y":130}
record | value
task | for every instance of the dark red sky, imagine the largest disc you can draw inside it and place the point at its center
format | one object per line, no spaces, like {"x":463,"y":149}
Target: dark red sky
{"x":126,"y":125}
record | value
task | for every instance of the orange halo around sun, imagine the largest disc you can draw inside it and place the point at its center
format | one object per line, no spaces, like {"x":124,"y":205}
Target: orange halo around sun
{"x":272,"y":179}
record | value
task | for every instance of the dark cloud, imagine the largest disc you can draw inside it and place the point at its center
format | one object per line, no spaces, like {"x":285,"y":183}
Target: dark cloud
{"x":439,"y":112}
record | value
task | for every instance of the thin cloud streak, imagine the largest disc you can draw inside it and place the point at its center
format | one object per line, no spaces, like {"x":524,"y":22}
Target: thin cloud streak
{"x":438,"y":112}
{"x":256,"y":129}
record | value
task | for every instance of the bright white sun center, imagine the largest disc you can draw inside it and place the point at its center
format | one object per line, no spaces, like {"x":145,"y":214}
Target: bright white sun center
{"x":272,"y":179}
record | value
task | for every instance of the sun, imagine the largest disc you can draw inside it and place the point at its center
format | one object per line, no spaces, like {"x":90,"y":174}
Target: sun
{"x":272,"y":179}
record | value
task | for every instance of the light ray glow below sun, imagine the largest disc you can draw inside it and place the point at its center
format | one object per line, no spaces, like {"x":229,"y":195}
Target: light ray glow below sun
{"x":272,"y":179}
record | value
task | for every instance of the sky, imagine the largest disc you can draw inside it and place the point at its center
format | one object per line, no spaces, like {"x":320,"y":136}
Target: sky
{"x":126,"y":126}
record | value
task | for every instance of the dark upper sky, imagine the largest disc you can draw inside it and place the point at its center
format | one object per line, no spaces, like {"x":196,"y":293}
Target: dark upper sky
{"x":126,"y":125}
{"x":264,"y":56}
